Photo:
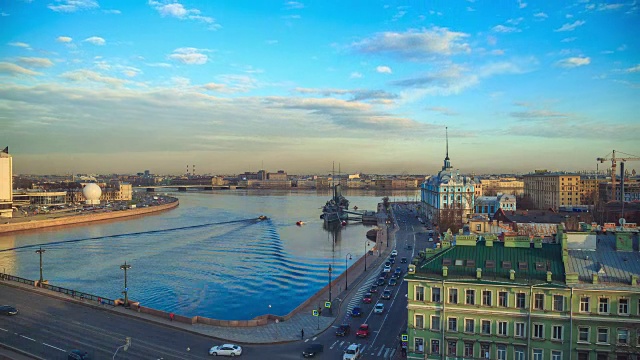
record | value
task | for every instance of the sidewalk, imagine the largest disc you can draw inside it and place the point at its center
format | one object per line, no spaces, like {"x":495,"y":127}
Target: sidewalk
{"x":283,"y":331}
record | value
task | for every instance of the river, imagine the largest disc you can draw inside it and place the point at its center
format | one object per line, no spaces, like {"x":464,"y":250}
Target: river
{"x":208,"y":257}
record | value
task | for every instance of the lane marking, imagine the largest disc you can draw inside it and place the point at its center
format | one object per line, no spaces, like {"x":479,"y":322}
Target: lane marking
{"x":386,"y":352}
{"x":3,"y":329}
{"x":393,"y":351}
{"x":306,"y":340}
{"x":314,"y":339}
{"x":51,"y":346}
{"x":28,"y":338}
{"x":380,"y":352}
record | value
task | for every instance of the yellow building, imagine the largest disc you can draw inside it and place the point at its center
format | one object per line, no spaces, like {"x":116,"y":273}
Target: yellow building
{"x":6,"y":184}
{"x":589,"y":189}
{"x":552,"y":190}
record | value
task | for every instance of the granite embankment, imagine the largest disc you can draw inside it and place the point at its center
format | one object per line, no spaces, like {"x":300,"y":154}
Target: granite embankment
{"x":84,"y":218}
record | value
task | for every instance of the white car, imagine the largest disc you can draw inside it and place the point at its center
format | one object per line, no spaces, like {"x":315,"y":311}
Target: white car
{"x":394,"y":253}
{"x":226,"y":350}
{"x":430,"y":239}
{"x":379,"y":308}
{"x":352,"y":352}
{"x":387,"y":268}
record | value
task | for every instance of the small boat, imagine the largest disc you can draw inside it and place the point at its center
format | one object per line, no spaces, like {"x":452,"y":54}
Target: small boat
{"x":262,"y":217}
{"x":299,"y":223}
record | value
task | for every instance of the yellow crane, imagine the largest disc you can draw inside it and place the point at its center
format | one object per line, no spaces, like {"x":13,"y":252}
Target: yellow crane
{"x":614,"y":160}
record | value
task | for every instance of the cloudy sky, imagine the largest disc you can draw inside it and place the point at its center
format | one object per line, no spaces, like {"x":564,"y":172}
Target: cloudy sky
{"x":99,"y":86}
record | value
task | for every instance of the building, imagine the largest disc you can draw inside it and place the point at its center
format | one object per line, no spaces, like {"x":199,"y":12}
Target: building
{"x":589,"y":189}
{"x":447,"y":197}
{"x":6,"y":184}
{"x":518,"y":299}
{"x":552,"y":190}
{"x":505,"y":185}
{"x":277,"y":176}
{"x":491,"y":204}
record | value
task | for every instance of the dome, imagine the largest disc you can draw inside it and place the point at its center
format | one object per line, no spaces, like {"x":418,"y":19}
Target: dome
{"x":92,"y":193}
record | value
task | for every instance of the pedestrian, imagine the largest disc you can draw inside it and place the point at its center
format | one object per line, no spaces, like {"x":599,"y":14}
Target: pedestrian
{"x":171,"y":316}
{"x":302,"y":334}
{"x":100,"y":301}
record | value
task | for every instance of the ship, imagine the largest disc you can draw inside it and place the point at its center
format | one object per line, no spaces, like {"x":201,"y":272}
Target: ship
{"x":335,"y":209}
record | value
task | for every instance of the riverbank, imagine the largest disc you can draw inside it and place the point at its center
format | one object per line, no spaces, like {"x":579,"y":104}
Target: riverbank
{"x":61,"y":219}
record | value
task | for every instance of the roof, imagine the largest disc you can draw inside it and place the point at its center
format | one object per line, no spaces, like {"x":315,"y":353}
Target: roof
{"x":535,"y":216}
{"x":530,"y":264}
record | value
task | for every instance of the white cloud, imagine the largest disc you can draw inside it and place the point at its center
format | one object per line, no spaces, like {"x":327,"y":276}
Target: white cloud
{"x":571,"y":27}
{"x":442,"y":110}
{"x":73,"y":5}
{"x":569,"y":39}
{"x":95,"y":40}
{"x":293,"y":5}
{"x":399,"y":15}
{"x":383,"y":69}
{"x":497,"y":52}
{"x":569,"y":16}
{"x":131,"y":71}
{"x":355,"y":75}
{"x":3,"y":14}
{"x":20,"y":44}
{"x":113,"y":11}
{"x":164,"y":65}
{"x":416,"y":43}
{"x":522,"y":4}
{"x":14,"y":70}
{"x":83,"y":75}
{"x":505,"y":29}
{"x":515,"y":21}
{"x":175,"y":9}
{"x":605,"y":7}
{"x":271,"y":42}
{"x":215,"y":87}
{"x":189,"y":55}
{"x":633,"y":69}
{"x":574,"y":62}
{"x":64,"y":39}
{"x":35,"y":62}
{"x":540,"y":15}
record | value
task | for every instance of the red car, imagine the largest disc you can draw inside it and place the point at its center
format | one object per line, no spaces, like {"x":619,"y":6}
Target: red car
{"x":363,"y":331}
{"x":367,"y":298}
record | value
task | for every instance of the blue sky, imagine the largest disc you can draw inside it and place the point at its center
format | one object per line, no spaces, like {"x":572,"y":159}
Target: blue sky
{"x":122,"y":86}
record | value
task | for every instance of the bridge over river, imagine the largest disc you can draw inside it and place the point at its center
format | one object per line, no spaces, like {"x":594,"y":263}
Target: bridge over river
{"x":197,"y":187}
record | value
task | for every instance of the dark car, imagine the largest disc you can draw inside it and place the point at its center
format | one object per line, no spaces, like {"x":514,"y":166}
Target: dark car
{"x":380,"y":281}
{"x":356,"y":311}
{"x":386,"y":295}
{"x":8,"y":310}
{"x":78,"y":355}
{"x":374,"y":288}
{"x":398,"y":271}
{"x":312,"y":350}
{"x":384,"y":274}
{"x":393,"y":282}
{"x":403,"y":260}
{"x":392,"y":260}
{"x":387,"y":263}
{"x":343,"y":330}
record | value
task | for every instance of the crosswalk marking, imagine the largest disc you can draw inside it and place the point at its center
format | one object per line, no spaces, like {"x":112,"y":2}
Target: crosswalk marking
{"x":314,"y":339}
{"x":306,"y":340}
{"x":380,"y":352}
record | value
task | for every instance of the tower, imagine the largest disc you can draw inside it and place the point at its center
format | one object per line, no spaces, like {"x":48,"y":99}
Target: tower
{"x":447,"y":163}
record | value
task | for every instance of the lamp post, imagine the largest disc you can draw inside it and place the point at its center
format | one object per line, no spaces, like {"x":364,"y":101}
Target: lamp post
{"x":388,"y":222}
{"x":40,"y":252}
{"x":346,"y":271}
{"x":125,"y":267}
{"x":366,"y":244}
{"x":330,"y":282}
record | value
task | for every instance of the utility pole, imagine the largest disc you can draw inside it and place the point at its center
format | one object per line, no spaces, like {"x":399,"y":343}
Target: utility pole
{"x":125,"y":267}
{"x":40,"y":252}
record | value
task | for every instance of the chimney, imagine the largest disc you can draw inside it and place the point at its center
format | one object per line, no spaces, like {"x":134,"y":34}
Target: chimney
{"x":634,"y":280}
{"x":445,"y":271}
{"x":594,"y":278}
{"x":478,"y":273}
{"x":549,"y":276}
{"x":512,"y":274}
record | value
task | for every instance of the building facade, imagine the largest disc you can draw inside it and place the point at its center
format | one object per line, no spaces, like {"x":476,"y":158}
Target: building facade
{"x":6,"y":184}
{"x":491,"y":204}
{"x":552,"y":190}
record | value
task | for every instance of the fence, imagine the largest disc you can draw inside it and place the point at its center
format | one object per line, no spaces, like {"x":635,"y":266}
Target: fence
{"x":17,"y":279}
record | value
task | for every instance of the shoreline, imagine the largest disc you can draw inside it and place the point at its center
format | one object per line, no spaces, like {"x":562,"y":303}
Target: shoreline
{"x":33,"y":224}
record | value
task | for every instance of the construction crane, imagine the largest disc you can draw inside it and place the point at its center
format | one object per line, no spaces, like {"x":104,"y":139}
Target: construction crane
{"x":614,"y":161}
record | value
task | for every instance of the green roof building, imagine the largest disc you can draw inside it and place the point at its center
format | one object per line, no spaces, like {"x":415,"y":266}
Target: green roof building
{"x":479,"y":298}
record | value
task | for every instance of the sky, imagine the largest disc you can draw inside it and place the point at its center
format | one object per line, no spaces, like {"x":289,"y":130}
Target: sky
{"x":94,"y":86}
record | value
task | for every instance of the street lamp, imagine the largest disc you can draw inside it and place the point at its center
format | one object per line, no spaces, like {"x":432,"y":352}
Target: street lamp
{"x":40,"y":252}
{"x":346,"y":271}
{"x":330,"y":282}
{"x":388,"y":222}
{"x":366,"y":244}
{"x":125,"y":267}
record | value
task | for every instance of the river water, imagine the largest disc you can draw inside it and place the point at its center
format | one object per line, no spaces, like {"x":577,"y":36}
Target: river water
{"x":207,"y":257}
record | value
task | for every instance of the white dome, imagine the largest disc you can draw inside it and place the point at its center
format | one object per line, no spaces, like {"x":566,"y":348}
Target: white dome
{"x":92,"y":192}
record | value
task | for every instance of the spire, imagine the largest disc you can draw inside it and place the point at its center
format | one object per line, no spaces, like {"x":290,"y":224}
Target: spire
{"x":447,"y":163}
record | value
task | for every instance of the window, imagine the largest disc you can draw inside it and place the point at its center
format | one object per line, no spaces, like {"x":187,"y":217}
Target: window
{"x":486,"y":297}
{"x":623,"y":337}
{"x":485,"y":350}
{"x":452,"y":347}
{"x":583,"y":355}
{"x":558,"y":303}
{"x":538,"y":301}
{"x":435,"y":294}
{"x":638,"y":338}
{"x":520,"y":329}
{"x":538,"y":331}
{"x":478,"y":227}
{"x":435,"y":322}
{"x":502,"y":352}
{"x":603,"y":306}
{"x":418,"y":345}
{"x":556,"y":355}
{"x":556,"y":332}
{"x":486,"y":327}
{"x":502,"y":328}
{"x":471,"y":297}
{"x":519,"y":353}
{"x":468,"y":349}
{"x":506,"y":265}
{"x":602,"y":356}
{"x":520,"y":303}
{"x":623,"y":306}
{"x":453,"y":296}
{"x":453,"y":324}
{"x":435,"y":346}
{"x":584,"y":304}
{"x":503,"y":299}
{"x":419,"y":321}
{"x":603,"y":335}
{"x":469,"y":325}
{"x":583,"y":334}
{"x":537,"y":354}
{"x":419,"y":293}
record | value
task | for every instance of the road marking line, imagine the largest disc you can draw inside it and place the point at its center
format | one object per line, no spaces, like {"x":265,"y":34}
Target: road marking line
{"x":380,"y":352}
{"x":362,"y":348}
{"x":306,"y":340}
{"x":393,"y":351}
{"x":45,"y":344}
{"x":28,"y":338}
{"x":386,"y":352}
{"x":3,"y":329}
{"x":314,"y":339}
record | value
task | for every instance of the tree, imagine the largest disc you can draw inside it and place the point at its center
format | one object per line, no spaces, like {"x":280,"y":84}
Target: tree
{"x":525,"y":202}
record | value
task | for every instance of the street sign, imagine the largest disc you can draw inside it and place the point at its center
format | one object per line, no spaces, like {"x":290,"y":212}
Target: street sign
{"x":327,"y":304}
{"x":315,"y":312}
{"x":405,"y":337}
{"x":404,"y":344}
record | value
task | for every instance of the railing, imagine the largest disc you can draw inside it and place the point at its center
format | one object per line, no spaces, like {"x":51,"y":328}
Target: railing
{"x":16,"y":279}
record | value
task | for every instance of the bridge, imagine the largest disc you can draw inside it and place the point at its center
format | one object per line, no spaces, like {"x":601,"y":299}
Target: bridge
{"x":197,"y":187}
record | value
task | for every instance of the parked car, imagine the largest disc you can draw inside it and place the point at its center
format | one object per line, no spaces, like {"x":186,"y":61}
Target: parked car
{"x":312,"y":350}
{"x":386,"y":295}
{"x":226,"y":350}
{"x":367,"y":298}
{"x":394,"y":252}
{"x":379,"y":308}
{"x":356,"y":312}
{"x":363,"y":331}
{"x":393,"y":282}
{"x":8,"y":310}
{"x":352,"y":352}
{"x":78,"y":355}
{"x":343,"y":330}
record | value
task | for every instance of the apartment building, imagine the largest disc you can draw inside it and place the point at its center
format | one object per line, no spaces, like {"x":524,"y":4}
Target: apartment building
{"x":552,"y":190}
{"x":6,"y":184}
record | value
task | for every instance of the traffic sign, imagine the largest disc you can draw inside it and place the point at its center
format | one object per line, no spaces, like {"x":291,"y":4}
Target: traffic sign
{"x":404,"y":344}
{"x":315,"y":312}
{"x":327,"y":304}
{"x":405,"y":337}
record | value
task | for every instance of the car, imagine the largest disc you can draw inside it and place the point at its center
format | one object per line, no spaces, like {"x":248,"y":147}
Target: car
{"x":8,"y":310}
{"x":393,"y":282}
{"x":343,"y":330}
{"x":226,"y":350}
{"x":78,"y":355}
{"x":367,"y":298}
{"x":430,"y":239}
{"x":363,"y":331}
{"x":356,"y":311}
{"x":312,"y":350}
{"x":394,"y":252}
{"x":386,"y":295}
{"x":380,"y":281}
{"x":403,"y":260}
{"x":387,"y":263}
{"x":398,"y":271}
{"x":392,"y":260}
{"x":374,"y":288}
{"x":352,"y":352}
{"x":383,"y":274}
{"x":379,"y":308}
{"x":387,"y":268}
